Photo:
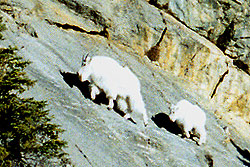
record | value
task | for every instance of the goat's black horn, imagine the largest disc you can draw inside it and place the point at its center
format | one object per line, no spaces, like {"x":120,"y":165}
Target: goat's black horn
{"x":84,"y":58}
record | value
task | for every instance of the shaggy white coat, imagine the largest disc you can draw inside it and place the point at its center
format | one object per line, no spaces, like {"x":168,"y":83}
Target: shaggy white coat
{"x":190,"y":118}
{"x":117,"y":82}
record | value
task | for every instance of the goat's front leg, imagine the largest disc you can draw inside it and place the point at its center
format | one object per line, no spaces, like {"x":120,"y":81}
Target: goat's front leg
{"x":94,"y":91}
{"x":129,"y":108}
{"x":111,"y":103}
{"x":186,"y":131}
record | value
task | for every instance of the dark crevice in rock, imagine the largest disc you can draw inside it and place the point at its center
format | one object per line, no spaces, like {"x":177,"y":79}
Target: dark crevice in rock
{"x":84,"y":155}
{"x":209,"y":160}
{"x":28,"y":28}
{"x":154,"y":52}
{"x":190,"y":64}
{"x":163,"y":19}
{"x":67,"y":26}
{"x":167,"y":10}
{"x":226,"y":37}
{"x":86,"y":11}
{"x":242,"y":38}
{"x":162,"y":35}
{"x":231,"y":56}
{"x":197,"y":51}
{"x":241,"y":65}
{"x":179,"y":20}
{"x":219,"y":82}
{"x":244,"y":153}
{"x":154,"y":3}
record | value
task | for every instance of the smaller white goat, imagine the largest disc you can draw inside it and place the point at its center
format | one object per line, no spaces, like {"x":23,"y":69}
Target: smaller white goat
{"x":190,"y":118}
{"x":117,"y":82}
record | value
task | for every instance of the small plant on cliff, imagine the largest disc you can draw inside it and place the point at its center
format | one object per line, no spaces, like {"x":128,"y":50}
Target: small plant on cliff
{"x":154,"y":52}
{"x":2,"y":27}
{"x":27,"y":136}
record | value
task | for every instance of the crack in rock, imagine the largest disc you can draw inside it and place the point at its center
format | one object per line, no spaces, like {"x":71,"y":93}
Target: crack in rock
{"x":245,"y":153}
{"x":241,"y":65}
{"x":67,"y":26}
{"x":84,"y":155}
{"x":28,"y":28}
{"x":87,"y":12}
{"x":226,"y":37}
{"x":209,"y":160}
{"x":219,"y":82}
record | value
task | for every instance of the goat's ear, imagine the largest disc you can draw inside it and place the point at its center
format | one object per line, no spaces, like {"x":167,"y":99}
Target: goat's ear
{"x":88,"y":59}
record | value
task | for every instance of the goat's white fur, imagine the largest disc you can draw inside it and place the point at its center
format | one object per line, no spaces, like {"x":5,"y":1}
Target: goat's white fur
{"x":190,"y":118}
{"x":122,"y":104}
{"x":117,"y":82}
{"x":94,"y":91}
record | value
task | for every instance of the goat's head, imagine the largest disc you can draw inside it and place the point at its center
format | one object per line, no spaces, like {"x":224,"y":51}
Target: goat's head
{"x":84,"y":70}
{"x":85,"y":60}
{"x":173,"y":112}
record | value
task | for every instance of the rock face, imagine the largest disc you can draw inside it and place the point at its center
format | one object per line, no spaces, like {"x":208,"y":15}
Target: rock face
{"x":188,"y":62}
{"x":226,"y":24}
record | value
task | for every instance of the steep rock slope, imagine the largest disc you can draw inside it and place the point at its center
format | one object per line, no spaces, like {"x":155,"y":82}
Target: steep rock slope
{"x":55,"y":34}
{"x":226,"y":24}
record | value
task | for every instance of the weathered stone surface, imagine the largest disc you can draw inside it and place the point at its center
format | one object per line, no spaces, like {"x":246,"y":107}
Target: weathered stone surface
{"x":223,"y":22}
{"x":208,"y":71}
{"x":204,"y":65}
{"x":191,"y":67}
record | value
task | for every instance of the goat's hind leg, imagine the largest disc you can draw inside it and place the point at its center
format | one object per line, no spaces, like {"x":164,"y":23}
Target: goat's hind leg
{"x":203,"y":135}
{"x":145,"y":118}
{"x":128,"y":109}
{"x":137,"y":105}
{"x":186,"y":129}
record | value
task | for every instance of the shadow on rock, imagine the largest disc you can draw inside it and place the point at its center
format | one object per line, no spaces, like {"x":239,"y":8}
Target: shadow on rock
{"x":244,"y":153}
{"x":72,"y":80}
{"x":162,"y":120}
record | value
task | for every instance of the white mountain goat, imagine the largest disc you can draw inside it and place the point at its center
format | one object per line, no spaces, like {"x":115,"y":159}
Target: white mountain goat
{"x":117,"y":82}
{"x":190,"y":118}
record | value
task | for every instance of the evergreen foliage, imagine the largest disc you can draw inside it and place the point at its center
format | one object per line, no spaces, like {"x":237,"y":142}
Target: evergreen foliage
{"x":2,"y":27}
{"x":27,"y":135}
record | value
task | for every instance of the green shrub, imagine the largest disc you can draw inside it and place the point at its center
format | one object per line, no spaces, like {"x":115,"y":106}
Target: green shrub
{"x":27,"y":135}
{"x":2,"y":27}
